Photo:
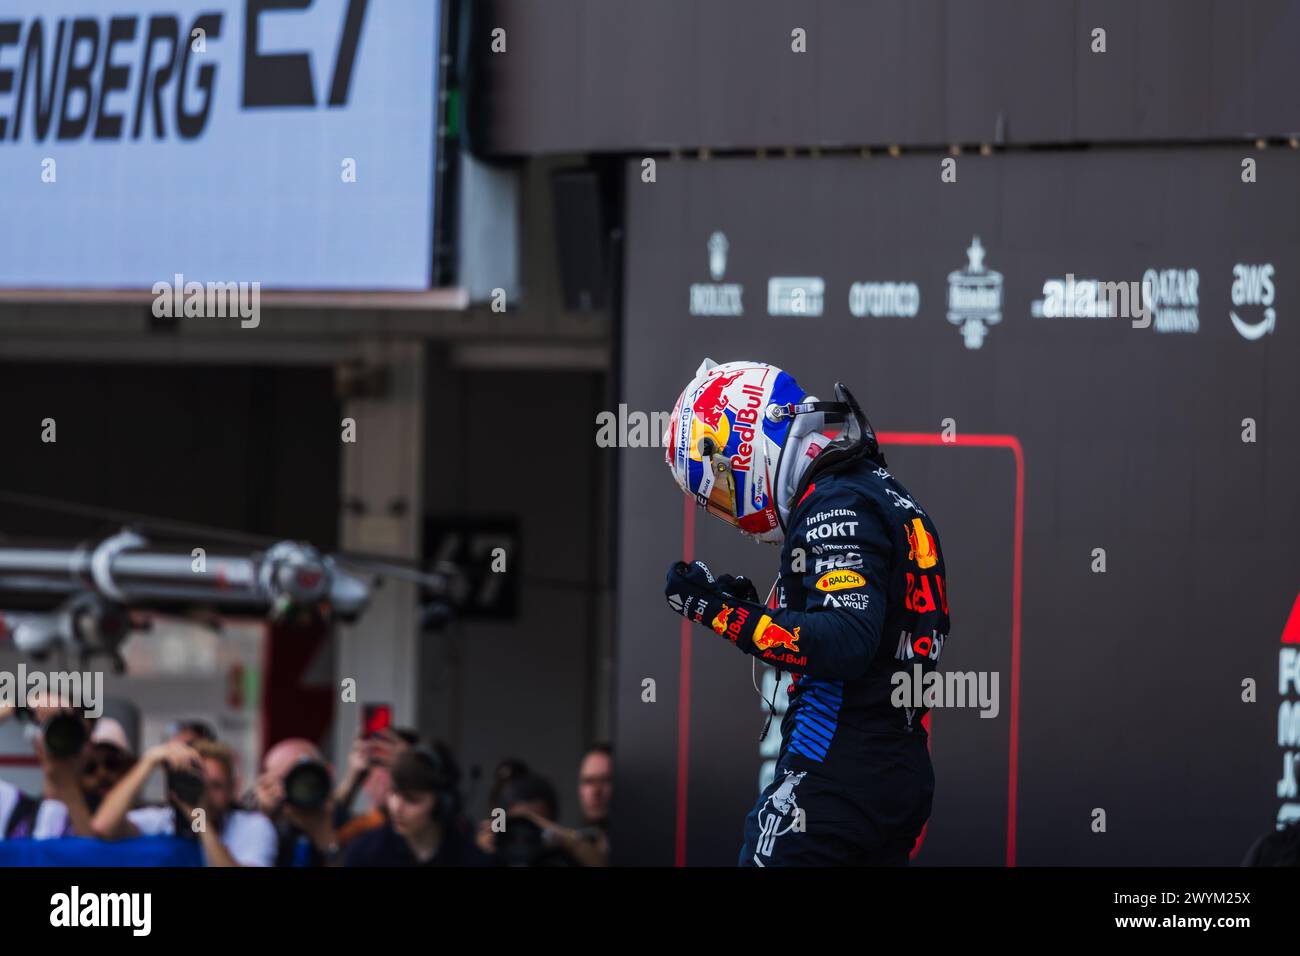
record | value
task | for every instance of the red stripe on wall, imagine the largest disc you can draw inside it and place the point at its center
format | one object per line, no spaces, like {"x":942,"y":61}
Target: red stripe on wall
{"x":684,"y":696}
{"x":1017,"y":562}
{"x":1291,"y":632}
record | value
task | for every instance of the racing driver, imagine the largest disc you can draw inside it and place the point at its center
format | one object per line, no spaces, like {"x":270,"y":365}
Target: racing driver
{"x":861,"y":597}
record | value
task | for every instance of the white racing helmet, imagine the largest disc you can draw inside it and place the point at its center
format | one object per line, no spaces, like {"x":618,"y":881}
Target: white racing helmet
{"x":743,"y":433}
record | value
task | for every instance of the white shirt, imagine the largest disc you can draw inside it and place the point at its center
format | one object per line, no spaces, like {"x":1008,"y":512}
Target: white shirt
{"x":51,"y":815}
{"x":8,"y":800}
{"x":248,"y":836}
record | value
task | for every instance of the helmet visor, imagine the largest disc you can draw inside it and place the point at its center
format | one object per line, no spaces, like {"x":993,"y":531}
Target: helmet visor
{"x":717,"y":493}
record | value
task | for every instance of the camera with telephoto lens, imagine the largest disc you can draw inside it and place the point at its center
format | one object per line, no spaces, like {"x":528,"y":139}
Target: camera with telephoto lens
{"x":523,"y":843}
{"x":64,"y":735}
{"x":187,"y":786}
{"x":307,"y":785}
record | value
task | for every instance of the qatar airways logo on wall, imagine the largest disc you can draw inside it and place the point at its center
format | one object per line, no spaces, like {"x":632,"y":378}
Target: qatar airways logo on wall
{"x":144,"y":138}
{"x":1173,"y":297}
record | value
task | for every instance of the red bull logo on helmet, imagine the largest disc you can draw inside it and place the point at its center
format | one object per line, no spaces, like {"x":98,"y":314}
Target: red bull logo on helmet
{"x":746,"y":422}
{"x":712,"y":402}
{"x":723,"y":412}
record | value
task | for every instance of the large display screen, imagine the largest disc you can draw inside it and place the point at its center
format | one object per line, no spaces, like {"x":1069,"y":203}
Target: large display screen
{"x":285,"y":142}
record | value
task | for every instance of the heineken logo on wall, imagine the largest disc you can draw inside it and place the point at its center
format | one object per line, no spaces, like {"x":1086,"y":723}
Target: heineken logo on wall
{"x":974,"y":297}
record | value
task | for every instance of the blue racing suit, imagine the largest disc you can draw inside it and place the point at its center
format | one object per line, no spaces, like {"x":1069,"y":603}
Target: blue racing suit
{"x":861,"y":597}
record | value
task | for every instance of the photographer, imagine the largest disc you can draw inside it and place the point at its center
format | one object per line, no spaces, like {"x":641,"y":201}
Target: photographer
{"x":531,"y":836}
{"x":509,"y":769}
{"x":190,"y":731}
{"x":62,"y":748}
{"x":201,"y":787}
{"x":595,"y":790}
{"x":424,"y":826}
{"x":109,"y":758}
{"x":370,"y":763}
{"x":293,"y":791}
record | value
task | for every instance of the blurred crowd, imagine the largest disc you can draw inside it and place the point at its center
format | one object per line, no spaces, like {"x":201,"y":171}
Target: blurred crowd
{"x":397,"y":802}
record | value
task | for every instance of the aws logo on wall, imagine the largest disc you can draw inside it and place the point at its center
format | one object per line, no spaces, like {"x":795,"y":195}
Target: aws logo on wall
{"x":1252,"y":296}
{"x":125,"y":75}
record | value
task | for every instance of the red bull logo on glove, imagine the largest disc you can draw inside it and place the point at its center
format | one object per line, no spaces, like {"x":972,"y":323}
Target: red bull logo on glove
{"x":730,"y":621}
{"x":785,"y":659}
{"x":771,"y":635}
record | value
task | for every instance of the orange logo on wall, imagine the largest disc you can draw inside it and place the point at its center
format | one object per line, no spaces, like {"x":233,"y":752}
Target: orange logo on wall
{"x":769,"y":635}
{"x":921,"y":544}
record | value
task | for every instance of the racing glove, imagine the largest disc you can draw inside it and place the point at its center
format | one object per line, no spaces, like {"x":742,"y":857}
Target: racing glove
{"x":837,"y":630}
{"x":728,"y":604}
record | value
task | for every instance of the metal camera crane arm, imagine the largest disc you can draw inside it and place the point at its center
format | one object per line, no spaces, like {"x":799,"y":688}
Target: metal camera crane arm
{"x":87,"y":592}
{"x":90,"y":597}
{"x":124,"y":569}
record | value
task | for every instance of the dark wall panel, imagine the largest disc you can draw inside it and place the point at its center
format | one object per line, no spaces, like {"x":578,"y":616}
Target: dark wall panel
{"x":1130,"y":681}
{"x":619,"y":75}
{"x":520,"y":688}
{"x":248,"y":449}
